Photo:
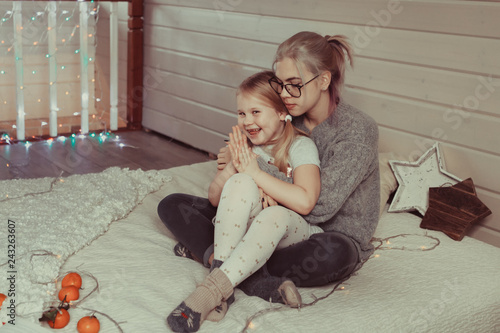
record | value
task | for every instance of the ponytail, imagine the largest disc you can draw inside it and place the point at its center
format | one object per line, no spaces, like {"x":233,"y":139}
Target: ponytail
{"x":342,"y":52}
{"x":281,"y":148}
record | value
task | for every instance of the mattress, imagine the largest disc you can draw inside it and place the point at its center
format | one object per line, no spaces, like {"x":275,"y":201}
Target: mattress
{"x":416,"y":281}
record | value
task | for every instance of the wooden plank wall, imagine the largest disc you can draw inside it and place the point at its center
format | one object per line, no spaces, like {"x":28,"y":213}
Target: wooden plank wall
{"x":36,"y":64}
{"x":425,"y":71}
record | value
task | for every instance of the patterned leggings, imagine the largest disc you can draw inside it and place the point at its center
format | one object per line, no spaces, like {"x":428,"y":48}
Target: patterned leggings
{"x":247,"y":235}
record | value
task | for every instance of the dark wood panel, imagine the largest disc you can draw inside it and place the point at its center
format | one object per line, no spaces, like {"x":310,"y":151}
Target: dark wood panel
{"x":144,"y":150}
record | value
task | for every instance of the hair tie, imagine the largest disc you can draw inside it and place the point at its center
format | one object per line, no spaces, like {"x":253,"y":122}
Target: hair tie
{"x":288,"y":118}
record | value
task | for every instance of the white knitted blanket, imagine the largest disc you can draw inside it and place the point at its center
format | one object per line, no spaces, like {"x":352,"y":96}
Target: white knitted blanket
{"x":46,"y":220}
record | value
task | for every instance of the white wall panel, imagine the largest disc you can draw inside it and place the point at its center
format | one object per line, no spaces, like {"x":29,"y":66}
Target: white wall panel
{"x":426,"y":71}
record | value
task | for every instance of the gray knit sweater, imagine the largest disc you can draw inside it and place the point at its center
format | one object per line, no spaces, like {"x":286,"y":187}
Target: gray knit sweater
{"x":350,"y":184}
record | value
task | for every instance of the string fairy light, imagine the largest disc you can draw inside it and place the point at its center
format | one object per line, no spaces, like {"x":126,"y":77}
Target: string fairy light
{"x":384,"y":244}
{"x":36,"y":33}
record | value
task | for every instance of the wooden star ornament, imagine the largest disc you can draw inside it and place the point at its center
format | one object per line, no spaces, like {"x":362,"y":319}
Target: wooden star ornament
{"x":454,"y":209}
{"x":415,"y":179}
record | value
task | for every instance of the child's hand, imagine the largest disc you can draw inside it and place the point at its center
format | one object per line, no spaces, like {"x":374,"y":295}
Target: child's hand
{"x":244,"y":160}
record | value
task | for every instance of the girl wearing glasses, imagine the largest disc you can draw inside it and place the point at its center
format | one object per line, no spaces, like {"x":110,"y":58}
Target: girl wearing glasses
{"x":246,"y":235}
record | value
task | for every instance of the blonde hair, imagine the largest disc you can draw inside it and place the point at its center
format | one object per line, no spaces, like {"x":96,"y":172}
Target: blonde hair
{"x":319,"y":54}
{"x":258,"y":85}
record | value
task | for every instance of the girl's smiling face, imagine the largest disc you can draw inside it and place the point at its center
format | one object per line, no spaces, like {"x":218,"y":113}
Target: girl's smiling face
{"x":260,"y":122}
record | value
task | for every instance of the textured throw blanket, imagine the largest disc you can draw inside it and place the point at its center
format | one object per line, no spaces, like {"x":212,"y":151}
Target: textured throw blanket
{"x":44,"y":221}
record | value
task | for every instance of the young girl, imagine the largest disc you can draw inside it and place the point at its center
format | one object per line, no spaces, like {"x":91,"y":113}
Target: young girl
{"x":242,"y":242}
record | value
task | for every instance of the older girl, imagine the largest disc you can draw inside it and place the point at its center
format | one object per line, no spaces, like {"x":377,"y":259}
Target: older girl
{"x":309,"y":76}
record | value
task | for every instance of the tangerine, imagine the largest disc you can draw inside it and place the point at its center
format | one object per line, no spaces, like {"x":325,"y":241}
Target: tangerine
{"x":72,"y":279}
{"x":88,"y":324}
{"x":61,"y":320}
{"x":2,"y":298}
{"x":70,"y":292}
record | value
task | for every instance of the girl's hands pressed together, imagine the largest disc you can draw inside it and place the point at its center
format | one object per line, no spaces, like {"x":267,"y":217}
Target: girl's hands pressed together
{"x":244,"y":160}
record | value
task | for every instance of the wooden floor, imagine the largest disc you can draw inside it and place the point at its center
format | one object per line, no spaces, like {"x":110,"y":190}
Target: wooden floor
{"x":79,"y":155}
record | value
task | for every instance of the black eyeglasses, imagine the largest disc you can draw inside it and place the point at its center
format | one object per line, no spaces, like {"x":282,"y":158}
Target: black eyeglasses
{"x":292,"y":89}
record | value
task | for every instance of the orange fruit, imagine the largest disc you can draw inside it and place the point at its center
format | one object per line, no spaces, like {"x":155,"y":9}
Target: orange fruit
{"x":2,"y":298}
{"x":70,"y":292}
{"x":88,"y":324}
{"x":72,"y":279}
{"x":61,"y":320}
